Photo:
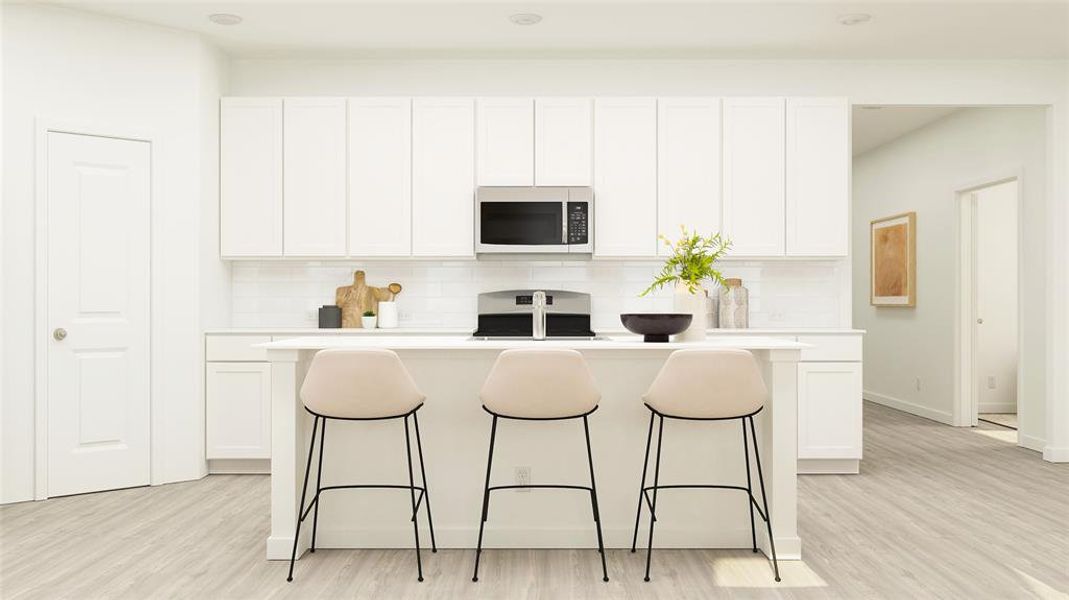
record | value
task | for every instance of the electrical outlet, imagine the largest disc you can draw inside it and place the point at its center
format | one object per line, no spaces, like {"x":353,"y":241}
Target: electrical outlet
{"x":917,"y":383}
{"x":991,"y":382}
{"x":523,"y":477}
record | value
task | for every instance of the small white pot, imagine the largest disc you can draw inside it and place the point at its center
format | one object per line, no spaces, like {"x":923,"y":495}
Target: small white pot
{"x":368,"y":322}
{"x":696,"y":305}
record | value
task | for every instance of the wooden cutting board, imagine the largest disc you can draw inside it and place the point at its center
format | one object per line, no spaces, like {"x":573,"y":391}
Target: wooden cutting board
{"x":359,"y":297}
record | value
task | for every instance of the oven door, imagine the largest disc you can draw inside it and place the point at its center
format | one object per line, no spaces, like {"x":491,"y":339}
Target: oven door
{"x":521,"y":226}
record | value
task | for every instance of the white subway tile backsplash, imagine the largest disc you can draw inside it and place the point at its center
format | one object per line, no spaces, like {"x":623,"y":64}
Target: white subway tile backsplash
{"x":443,"y":293}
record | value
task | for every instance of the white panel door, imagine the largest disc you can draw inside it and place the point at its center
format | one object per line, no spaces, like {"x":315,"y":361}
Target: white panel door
{"x":98,"y":313}
{"x":818,"y":176}
{"x":443,"y":176}
{"x":314,"y":177}
{"x":754,"y":189}
{"x":250,"y":177}
{"x":505,"y":151}
{"x":563,"y":141}
{"x":688,"y":166}
{"x":625,"y":177}
{"x":380,"y":176}
{"x":829,"y":410}
{"x":238,"y":410}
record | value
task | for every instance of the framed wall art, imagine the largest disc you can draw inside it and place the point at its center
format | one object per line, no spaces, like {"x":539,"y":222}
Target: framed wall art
{"x":893,"y":270}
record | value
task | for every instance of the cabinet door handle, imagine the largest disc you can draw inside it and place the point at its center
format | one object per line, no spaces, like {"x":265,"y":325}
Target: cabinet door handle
{"x":59,"y":334}
{"x":979,"y":321}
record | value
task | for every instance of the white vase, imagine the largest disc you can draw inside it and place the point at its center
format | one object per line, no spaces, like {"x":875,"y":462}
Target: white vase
{"x":734,"y":305}
{"x":368,"y":322}
{"x":696,"y":305}
{"x":387,"y":315}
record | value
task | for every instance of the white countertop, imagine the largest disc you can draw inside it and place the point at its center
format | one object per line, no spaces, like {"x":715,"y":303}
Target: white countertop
{"x":436,"y":331}
{"x":453,"y":343}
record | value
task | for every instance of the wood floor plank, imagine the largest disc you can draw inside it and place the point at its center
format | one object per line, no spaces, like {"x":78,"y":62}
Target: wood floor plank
{"x":938,"y":512}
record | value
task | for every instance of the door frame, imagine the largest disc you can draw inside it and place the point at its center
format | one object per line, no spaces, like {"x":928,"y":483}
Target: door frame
{"x":966,"y":389}
{"x":42,"y":127}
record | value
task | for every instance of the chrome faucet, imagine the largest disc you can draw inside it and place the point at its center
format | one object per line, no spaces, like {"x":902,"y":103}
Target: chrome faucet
{"x":538,"y":318}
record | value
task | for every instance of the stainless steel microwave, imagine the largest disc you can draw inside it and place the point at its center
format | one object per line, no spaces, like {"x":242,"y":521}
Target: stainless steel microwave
{"x":534,"y":220}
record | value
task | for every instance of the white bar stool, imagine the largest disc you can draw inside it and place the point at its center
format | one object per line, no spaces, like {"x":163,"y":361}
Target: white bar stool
{"x":540,"y":385}
{"x":706,"y":385}
{"x":361,"y":385}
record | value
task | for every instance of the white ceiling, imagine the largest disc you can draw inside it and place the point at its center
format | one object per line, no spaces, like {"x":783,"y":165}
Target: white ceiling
{"x":899,"y":29}
{"x":875,"y":126}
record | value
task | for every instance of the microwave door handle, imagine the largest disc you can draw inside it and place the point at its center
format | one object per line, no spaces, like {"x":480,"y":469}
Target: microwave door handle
{"x":564,"y":223}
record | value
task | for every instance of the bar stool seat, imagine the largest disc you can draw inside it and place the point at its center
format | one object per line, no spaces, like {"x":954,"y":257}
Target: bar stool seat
{"x":540,"y":385}
{"x":706,"y":385}
{"x":361,"y":385}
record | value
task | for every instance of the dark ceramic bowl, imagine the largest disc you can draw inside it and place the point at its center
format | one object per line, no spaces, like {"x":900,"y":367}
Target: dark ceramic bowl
{"x":656,"y":327}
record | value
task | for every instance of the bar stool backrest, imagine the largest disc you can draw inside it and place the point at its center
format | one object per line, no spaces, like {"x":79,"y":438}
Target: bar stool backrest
{"x":708,"y":384}
{"x":550,"y":383}
{"x":348,"y":383}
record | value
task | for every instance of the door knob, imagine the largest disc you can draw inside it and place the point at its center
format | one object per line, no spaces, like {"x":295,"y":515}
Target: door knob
{"x":59,"y":334}
{"x":979,"y":321}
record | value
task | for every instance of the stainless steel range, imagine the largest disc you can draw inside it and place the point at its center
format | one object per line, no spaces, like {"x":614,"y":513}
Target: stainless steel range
{"x":534,"y":314}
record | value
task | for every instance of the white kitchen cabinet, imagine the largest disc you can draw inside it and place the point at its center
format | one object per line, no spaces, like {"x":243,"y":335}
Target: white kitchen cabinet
{"x":314,"y":177}
{"x":625,"y":177}
{"x":505,"y":138}
{"x":563,"y":141}
{"x":443,"y":176}
{"x":754,"y":178}
{"x":688,"y":166}
{"x":250,"y":177}
{"x":238,"y":410}
{"x":829,"y":410}
{"x":380,"y":176}
{"x":818,"y":176}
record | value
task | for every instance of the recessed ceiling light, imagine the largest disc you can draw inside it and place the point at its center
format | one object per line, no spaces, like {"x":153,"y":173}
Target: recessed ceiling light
{"x":854,"y":18}
{"x":526,"y":19}
{"x":224,"y":19}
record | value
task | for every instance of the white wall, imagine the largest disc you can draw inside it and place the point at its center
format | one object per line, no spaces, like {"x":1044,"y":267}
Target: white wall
{"x":995,"y":215}
{"x":82,"y":69}
{"x":921,"y":172}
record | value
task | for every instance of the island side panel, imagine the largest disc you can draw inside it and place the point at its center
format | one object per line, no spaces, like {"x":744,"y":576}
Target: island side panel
{"x":288,"y":451}
{"x":778,"y":431}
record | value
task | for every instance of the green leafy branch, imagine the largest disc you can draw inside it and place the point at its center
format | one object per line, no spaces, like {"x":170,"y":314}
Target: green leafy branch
{"x":693,"y":260}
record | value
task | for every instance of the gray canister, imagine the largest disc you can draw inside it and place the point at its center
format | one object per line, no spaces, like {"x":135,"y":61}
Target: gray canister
{"x":329,"y":317}
{"x":734,"y":305}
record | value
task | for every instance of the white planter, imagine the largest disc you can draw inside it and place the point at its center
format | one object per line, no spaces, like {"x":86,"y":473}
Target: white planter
{"x":694,"y":304}
{"x":368,"y":322}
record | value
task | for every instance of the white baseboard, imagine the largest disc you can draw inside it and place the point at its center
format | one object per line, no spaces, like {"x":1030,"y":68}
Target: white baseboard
{"x":1030,"y":442}
{"x":1056,"y":455}
{"x":829,"y":466}
{"x":905,"y":406}
{"x":998,"y":407}
{"x":235,"y":466}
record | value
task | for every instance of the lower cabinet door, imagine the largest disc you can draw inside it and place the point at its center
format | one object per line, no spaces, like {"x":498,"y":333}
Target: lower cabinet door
{"x":829,"y":410}
{"x":238,"y":410}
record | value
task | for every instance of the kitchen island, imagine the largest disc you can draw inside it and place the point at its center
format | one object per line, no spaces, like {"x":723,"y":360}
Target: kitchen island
{"x":450,"y":370}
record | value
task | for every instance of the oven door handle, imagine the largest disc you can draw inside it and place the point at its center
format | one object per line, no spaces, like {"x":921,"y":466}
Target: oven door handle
{"x":564,"y":223}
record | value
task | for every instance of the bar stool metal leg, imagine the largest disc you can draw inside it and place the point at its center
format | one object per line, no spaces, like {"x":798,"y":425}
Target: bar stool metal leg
{"x":412,"y":494}
{"x":749,"y":484}
{"x":304,"y":492}
{"x":319,"y":485}
{"x":594,"y":500}
{"x":486,"y":499}
{"x":764,"y":499}
{"x":642,"y":486}
{"x":426,"y":488}
{"x":653,"y":506}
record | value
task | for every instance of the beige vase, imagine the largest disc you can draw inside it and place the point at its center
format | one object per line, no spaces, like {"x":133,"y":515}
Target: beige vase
{"x":694,"y":304}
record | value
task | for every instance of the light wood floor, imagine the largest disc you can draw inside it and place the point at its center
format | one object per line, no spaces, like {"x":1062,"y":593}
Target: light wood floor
{"x":937,"y":512}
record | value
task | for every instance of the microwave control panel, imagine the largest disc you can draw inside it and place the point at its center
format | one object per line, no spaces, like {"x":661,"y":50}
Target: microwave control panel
{"x":578,"y":217}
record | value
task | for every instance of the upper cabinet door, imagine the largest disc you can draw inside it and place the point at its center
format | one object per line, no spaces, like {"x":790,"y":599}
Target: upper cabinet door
{"x":625,"y":177}
{"x":505,"y":152}
{"x":563,"y":144}
{"x":443,"y":176}
{"x":380,"y":176}
{"x":688,"y":166}
{"x":314,"y":180}
{"x":250,"y":177}
{"x":818,"y":176}
{"x":754,"y":189}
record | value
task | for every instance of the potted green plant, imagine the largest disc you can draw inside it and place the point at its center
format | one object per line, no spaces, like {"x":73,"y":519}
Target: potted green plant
{"x":368,"y":319}
{"x":691,"y":263}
